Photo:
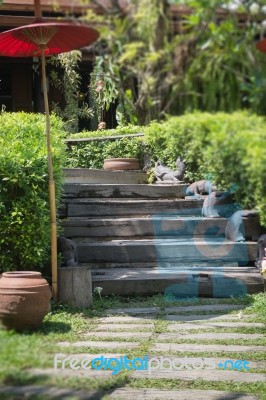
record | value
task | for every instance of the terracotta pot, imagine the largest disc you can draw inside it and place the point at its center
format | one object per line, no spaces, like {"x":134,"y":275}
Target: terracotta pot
{"x":121,"y":164}
{"x":24,"y":299}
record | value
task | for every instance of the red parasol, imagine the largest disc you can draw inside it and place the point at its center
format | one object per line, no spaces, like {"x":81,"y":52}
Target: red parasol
{"x":262,"y":45}
{"x":42,"y":39}
{"x":45,"y":37}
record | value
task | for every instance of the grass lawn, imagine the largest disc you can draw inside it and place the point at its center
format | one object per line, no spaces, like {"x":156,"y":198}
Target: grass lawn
{"x":20,"y":352}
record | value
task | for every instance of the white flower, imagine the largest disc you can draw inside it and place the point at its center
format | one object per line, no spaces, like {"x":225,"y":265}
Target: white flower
{"x":254,"y":8}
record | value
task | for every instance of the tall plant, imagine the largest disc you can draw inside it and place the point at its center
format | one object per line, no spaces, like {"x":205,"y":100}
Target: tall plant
{"x":225,"y":71}
{"x":211,"y":64}
{"x":134,"y":57}
{"x":66,"y":77}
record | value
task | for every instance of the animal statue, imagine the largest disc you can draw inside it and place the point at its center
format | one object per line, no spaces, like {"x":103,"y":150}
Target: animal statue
{"x":68,"y":250}
{"x":219,"y":204}
{"x":200,"y":187}
{"x":163,"y":173}
{"x":235,"y":228}
{"x":260,"y":262}
{"x":210,"y":205}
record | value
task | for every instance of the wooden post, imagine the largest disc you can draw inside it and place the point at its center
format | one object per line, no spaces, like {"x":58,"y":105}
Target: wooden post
{"x":51,"y":183}
{"x":37,"y":9}
{"x":75,"y":286}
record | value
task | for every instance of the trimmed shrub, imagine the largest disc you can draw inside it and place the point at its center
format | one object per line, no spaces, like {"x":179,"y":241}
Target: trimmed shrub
{"x":228,"y":149}
{"x":24,"y":204}
{"x":92,"y":154}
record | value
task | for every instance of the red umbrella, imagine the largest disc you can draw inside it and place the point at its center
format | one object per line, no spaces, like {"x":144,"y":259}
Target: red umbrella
{"x":262,"y":45}
{"x":42,"y":39}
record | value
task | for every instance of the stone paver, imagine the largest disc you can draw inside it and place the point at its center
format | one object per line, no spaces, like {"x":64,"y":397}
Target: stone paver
{"x":122,"y":394}
{"x":206,"y":317}
{"x":48,"y":392}
{"x":138,"y":310}
{"x":104,"y":345}
{"x":205,"y":307}
{"x":123,"y":327}
{"x":134,"y":320}
{"x":210,"y":325}
{"x":206,"y":375}
{"x":125,"y":335}
{"x":199,"y":348}
{"x":208,"y":336}
{"x":75,"y":373}
{"x":160,"y":394}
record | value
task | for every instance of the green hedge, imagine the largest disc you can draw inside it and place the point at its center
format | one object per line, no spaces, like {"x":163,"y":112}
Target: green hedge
{"x":24,"y":207}
{"x":227,"y":148}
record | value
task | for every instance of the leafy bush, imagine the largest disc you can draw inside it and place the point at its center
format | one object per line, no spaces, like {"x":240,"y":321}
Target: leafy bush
{"x":24,"y":205}
{"x":92,"y":154}
{"x":226,"y":148}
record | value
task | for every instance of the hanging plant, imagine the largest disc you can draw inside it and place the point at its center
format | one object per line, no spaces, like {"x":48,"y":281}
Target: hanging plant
{"x":69,"y":84}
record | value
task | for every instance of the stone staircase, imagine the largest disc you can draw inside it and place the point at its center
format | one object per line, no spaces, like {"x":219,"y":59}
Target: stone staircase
{"x":146,"y":239}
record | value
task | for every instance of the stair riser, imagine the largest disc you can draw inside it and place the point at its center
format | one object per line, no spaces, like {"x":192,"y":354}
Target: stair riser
{"x":179,"y":207}
{"x":155,"y":228}
{"x":90,"y":176}
{"x":235,"y":252}
{"x":180,"y":287}
{"x":124,"y":191}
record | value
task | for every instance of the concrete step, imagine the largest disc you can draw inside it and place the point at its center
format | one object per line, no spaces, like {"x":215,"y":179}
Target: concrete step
{"x":87,"y":175}
{"x":179,"y":283}
{"x":109,"y":190}
{"x":208,"y":264}
{"x":153,"y":226}
{"x":166,"y":250}
{"x":86,"y":207}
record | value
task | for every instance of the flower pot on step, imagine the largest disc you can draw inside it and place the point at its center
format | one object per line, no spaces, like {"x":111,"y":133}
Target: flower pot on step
{"x":24,"y":299}
{"x":122,"y":164}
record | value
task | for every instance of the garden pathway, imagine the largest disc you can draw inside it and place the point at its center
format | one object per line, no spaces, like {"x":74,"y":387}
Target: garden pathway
{"x":221,"y":332}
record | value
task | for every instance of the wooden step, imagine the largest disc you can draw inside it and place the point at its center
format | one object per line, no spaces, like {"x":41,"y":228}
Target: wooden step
{"x":210,"y":265}
{"x":107,"y":190}
{"x":166,"y":250}
{"x":86,"y":175}
{"x":118,"y":207}
{"x":154,"y":226}
{"x":182,"y":284}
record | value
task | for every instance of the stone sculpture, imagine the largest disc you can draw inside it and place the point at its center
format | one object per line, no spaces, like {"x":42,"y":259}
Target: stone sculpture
{"x":235,"y":228}
{"x":209,"y":208}
{"x":164,"y":174}
{"x":219,"y":204}
{"x":260,"y":262}
{"x":68,"y":250}
{"x":200,"y":187}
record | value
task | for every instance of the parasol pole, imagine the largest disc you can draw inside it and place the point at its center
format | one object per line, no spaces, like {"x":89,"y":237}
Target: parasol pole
{"x":37,"y":9}
{"x":51,"y":181}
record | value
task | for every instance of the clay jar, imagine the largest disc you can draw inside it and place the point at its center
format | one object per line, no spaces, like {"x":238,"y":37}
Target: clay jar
{"x":24,"y":299}
{"x":121,"y":164}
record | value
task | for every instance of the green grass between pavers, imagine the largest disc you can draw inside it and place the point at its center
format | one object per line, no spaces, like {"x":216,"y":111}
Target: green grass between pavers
{"x":20,"y":352}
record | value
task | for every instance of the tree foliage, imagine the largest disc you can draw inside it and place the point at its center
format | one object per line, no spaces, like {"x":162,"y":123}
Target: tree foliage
{"x":66,"y":77}
{"x":212,"y":64}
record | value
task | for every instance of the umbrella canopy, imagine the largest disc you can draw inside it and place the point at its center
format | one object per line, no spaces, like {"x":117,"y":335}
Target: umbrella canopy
{"x":262,"y":45}
{"x":53,"y":38}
